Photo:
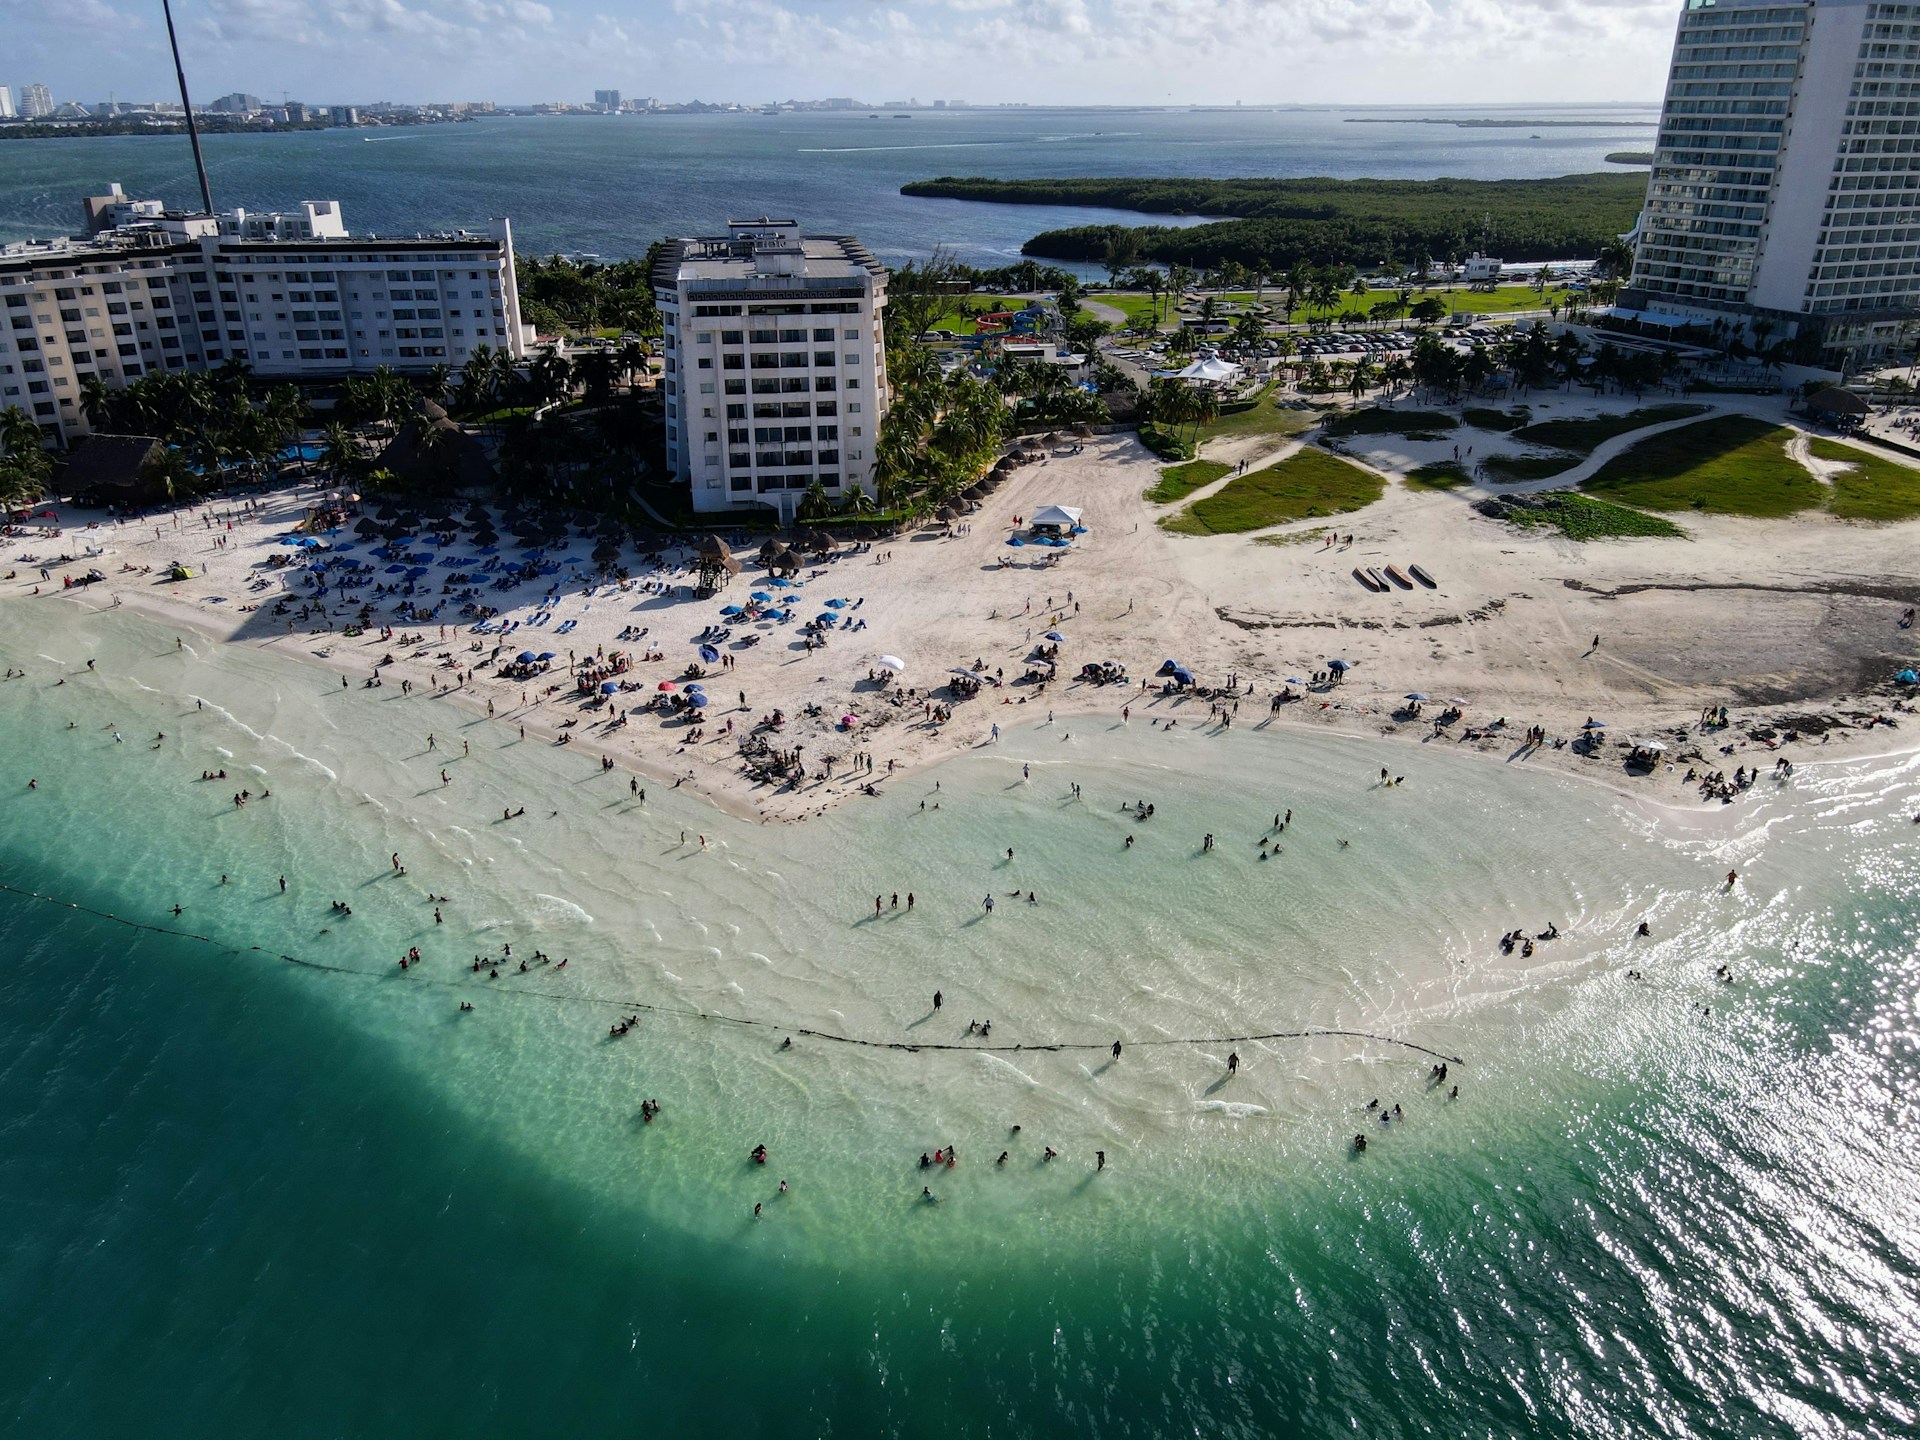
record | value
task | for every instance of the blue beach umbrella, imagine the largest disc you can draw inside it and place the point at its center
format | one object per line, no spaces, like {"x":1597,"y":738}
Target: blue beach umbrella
{"x":548,"y":655}
{"x":1015,"y":541}
{"x":762,"y":597}
{"x":835,"y":604}
{"x":1339,"y":666}
{"x":826,"y":618}
{"x":525,"y":657}
{"x":698,"y":701}
{"x":609,"y":687}
{"x":1415,"y":695}
{"x":1055,"y":636}
{"x":709,"y":654}
{"x":396,"y":569}
{"x":731,"y":610}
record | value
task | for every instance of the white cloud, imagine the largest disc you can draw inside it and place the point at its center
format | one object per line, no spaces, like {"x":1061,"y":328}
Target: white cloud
{"x":1064,"y":51}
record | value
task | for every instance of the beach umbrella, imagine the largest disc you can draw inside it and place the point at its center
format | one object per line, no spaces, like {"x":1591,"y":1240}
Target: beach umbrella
{"x":835,"y":604}
{"x":1339,"y":667}
{"x":525,"y":657}
{"x":1415,"y":695}
{"x":608,"y":687}
{"x":826,"y":617}
{"x":891,"y":662}
{"x":666,"y":686}
{"x":1015,"y":541}
{"x":962,"y":670}
{"x":1908,"y":677}
{"x":731,"y":610}
{"x":694,"y":687}
{"x":1457,"y":700}
{"x":1592,"y":724}
{"x":1055,"y":636}
{"x":1167,"y":667}
{"x":698,"y":701}
{"x":709,"y":654}
{"x":548,"y":655}
{"x":762,"y":597}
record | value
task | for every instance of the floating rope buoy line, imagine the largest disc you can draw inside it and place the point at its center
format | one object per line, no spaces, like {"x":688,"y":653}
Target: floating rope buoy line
{"x":685,"y":1013}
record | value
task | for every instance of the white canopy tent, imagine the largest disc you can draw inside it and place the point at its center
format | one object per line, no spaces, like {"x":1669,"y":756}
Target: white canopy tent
{"x":1210,"y":371}
{"x":1055,"y":517}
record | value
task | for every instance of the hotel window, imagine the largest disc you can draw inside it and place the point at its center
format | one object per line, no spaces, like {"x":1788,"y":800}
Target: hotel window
{"x":823,"y":357}
{"x":853,"y":384}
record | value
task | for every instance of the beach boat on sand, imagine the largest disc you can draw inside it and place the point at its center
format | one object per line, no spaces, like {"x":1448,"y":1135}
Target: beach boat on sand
{"x":1397,"y":578}
{"x":1379,"y":580}
{"x":1422,"y":576}
{"x":1362,"y":577}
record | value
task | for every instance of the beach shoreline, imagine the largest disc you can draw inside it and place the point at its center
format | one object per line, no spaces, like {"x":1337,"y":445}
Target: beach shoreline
{"x":1681,"y":625}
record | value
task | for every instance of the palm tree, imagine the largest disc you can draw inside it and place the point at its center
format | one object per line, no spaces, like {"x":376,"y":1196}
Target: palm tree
{"x":96,"y":402}
{"x":340,"y":452}
{"x":170,"y":473}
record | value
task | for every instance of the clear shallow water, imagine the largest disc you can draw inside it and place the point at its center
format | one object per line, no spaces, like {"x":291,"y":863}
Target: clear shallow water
{"x":233,"y":1182}
{"x":613,"y":185}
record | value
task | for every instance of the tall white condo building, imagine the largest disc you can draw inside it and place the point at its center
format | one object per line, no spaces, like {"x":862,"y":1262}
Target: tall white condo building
{"x":776,"y":375}
{"x":1785,"y":195}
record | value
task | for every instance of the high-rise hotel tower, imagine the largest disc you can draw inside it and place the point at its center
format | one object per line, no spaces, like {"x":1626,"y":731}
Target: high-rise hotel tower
{"x":1785,"y":195}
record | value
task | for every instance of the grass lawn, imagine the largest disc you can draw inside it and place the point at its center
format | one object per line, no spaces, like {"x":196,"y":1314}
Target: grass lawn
{"x":1138,"y":307}
{"x":1581,"y":517}
{"x":1374,"y":420}
{"x":1519,"y":469}
{"x":1303,"y":485}
{"x":1179,"y":481}
{"x":1439,"y":475}
{"x":1482,"y":418}
{"x":1260,"y":417}
{"x":1731,"y":465}
{"x":1584,"y":436}
{"x":1876,"y":488}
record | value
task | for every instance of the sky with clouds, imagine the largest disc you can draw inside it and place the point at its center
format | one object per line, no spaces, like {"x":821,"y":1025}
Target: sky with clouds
{"x":1039,"y":51}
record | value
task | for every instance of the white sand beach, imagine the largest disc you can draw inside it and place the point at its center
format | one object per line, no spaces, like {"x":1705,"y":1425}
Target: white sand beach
{"x":1777,"y":620}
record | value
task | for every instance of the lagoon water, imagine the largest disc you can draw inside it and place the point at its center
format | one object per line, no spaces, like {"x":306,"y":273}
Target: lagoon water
{"x":611,"y":185}
{"x":265,"y":1182}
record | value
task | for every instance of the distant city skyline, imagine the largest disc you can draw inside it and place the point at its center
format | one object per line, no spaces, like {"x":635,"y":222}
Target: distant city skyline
{"x":1122,"y":52}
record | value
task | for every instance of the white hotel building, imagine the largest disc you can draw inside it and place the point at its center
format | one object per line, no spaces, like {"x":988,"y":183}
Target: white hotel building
{"x":775,"y":364}
{"x":1786,"y":177}
{"x":290,"y":293}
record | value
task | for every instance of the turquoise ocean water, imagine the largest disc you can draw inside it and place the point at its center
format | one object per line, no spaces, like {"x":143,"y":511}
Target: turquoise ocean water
{"x":252,"y":1196}
{"x":611,"y":185}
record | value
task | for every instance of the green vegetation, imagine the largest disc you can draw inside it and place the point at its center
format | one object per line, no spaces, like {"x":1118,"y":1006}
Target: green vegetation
{"x":1437,"y":475}
{"x":1579,"y":517}
{"x":1303,"y":485}
{"x":1586,"y":435}
{"x":1873,"y":488}
{"x":1730,"y":465}
{"x":1262,"y":415}
{"x":1519,"y":469}
{"x":1324,"y":221}
{"x":558,"y":295}
{"x":1376,"y":420}
{"x":1179,"y":481}
{"x":1481,"y":417}
{"x":1165,"y":441}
